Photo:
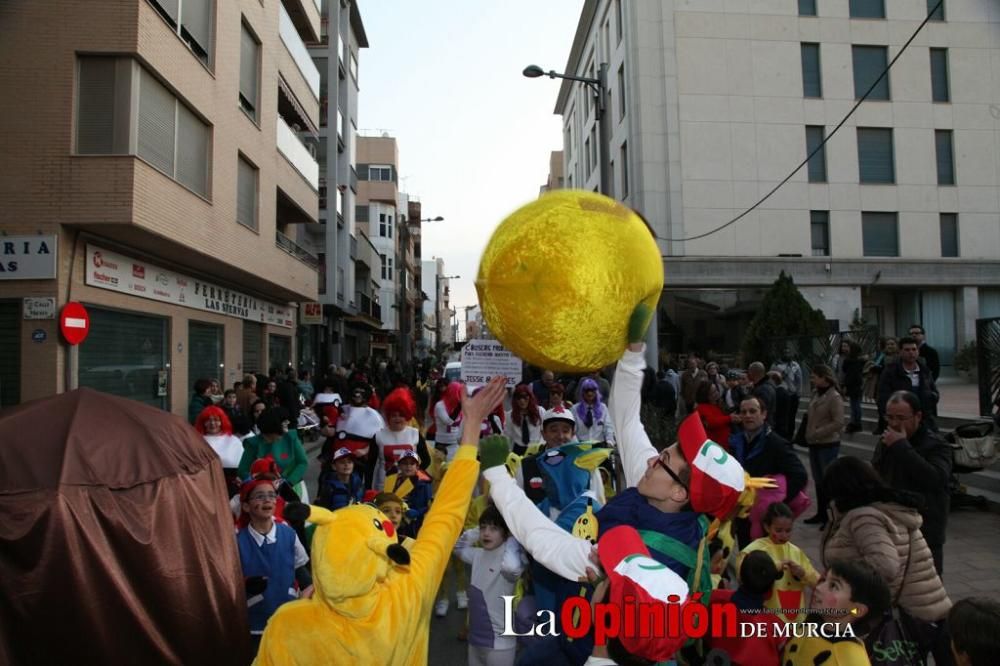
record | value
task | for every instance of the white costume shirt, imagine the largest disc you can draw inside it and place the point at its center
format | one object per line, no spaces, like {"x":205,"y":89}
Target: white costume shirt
{"x":602,"y":430}
{"x":494,"y":573}
{"x":390,"y":444}
{"x":229,"y":448}
{"x":512,"y":431}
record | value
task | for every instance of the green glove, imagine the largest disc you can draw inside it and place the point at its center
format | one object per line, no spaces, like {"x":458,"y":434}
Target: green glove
{"x":493,"y":451}
{"x":639,"y":322}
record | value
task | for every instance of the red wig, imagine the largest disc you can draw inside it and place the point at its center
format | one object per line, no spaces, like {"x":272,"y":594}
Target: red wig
{"x":400,"y":401}
{"x":452,"y":396}
{"x":212,"y":410}
{"x":531,"y":411}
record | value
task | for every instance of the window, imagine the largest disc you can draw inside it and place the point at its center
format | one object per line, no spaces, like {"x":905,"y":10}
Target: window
{"x":945,"y":157}
{"x":875,"y":155}
{"x":171,"y":137}
{"x":191,"y":20}
{"x":354,"y":67}
{"x":880,"y":234}
{"x":817,"y":163}
{"x":949,"y":234}
{"x":939,"y":75}
{"x":246,"y":193}
{"x":249,"y":72}
{"x":869,"y":63}
{"x":936,"y":10}
{"x":385,"y":265}
{"x":381,"y":225}
{"x":96,"y":115}
{"x":621,"y":91}
{"x":388,"y":224}
{"x":812,"y":77}
{"x":624,"y":162}
{"x":807,"y":7}
{"x":867,"y":8}
{"x":620,"y":24}
{"x":380,"y":173}
{"x":819,"y":230}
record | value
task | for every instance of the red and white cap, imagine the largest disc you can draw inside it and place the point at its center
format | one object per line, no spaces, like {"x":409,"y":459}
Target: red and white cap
{"x":407,"y":453}
{"x":342,"y":452}
{"x":634,"y":576}
{"x":559,"y":413}
{"x":717,"y":479}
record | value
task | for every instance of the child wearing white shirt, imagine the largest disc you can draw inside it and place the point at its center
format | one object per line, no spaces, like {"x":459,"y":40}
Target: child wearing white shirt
{"x":496,"y":566}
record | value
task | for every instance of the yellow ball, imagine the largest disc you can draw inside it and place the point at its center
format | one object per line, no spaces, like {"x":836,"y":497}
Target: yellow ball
{"x":561,"y":276}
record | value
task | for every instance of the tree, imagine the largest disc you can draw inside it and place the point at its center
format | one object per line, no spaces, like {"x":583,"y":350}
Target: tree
{"x":784,"y":313}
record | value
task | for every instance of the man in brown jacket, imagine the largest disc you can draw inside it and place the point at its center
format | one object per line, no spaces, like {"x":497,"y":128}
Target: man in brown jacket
{"x":246,"y":395}
{"x":911,"y":457}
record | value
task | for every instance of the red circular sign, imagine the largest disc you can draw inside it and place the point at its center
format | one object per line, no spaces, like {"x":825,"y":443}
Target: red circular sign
{"x":74,"y":322}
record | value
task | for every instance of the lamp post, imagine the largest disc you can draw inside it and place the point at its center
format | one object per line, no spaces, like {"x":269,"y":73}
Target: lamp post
{"x":599,"y":87}
{"x":437,"y":303}
{"x":405,"y":318}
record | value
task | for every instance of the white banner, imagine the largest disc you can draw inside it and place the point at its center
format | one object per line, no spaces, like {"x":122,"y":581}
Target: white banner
{"x":27,"y":257}
{"x":482,"y":360}
{"x":109,"y":270}
{"x":40,"y":308}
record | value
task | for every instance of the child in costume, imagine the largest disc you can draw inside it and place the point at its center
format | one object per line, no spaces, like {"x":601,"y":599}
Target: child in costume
{"x":272,"y":557}
{"x":394,"y":509}
{"x":496,"y":566}
{"x":757,"y":576}
{"x":798,"y":572}
{"x":343,"y":487}
{"x":850,"y":593}
{"x":974,"y":624}
{"x":412,"y":485}
{"x":593,"y":423}
{"x":372,"y":600}
{"x":398,"y":435}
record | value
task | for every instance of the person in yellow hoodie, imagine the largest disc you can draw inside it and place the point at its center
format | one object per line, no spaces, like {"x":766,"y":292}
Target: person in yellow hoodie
{"x":372,"y":599}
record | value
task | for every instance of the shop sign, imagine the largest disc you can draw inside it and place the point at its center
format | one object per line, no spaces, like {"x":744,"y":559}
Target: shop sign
{"x":27,"y":257}
{"x":109,"y":270}
{"x":39,"y":308}
{"x":311,"y":313}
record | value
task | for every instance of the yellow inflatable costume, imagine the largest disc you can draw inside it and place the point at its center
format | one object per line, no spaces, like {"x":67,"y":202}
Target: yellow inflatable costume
{"x":368,"y":607}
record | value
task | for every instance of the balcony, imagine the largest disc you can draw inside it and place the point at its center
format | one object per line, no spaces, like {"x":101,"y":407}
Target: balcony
{"x":297,"y":154}
{"x":368,"y":307}
{"x":291,"y":247}
{"x":297,"y":48}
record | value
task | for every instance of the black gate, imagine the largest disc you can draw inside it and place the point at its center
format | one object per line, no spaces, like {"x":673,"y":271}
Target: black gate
{"x":988,"y":351}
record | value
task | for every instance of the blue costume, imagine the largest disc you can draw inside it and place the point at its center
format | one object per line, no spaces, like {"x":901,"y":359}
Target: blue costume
{"x":276,"y":562}
{"x":335,"y":494}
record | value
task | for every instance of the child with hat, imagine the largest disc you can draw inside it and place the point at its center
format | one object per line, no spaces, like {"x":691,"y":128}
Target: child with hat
{"x":413,"y":485}
{"x":496,"y":563}
{"x":271,"y":556}
{"x":344,"y":486}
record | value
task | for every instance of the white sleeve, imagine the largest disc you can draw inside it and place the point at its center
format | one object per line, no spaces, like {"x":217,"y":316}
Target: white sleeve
{"x":634,"y":446}
{"x":441,"y":414}
{"x":464,"y":549}
{"x":554,"y":548}
{"x":378,"y":481}
{"x":301,"y":557}
{"x":512,"y":565}
{"x":609,"y":428}
{"x":597,"y":486}
{"x":509,"y":430}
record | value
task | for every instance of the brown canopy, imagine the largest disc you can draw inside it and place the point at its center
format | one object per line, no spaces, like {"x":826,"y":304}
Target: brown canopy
{"x":116,"y":538}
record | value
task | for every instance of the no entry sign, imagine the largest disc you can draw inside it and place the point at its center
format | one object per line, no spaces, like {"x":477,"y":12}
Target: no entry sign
{"x":74,"y":322}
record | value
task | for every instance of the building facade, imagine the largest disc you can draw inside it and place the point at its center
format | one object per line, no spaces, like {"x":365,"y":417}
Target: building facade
{"x":158,"y":169}
{"x":438,"y":330}
{"x":711,"y":105}
{"x":344,"y":333}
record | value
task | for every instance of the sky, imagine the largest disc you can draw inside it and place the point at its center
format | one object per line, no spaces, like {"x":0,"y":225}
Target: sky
{"x":444,"y":78}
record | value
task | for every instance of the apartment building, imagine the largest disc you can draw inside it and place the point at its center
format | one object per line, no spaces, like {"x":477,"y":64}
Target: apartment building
{"x":348,"y":316}
{"x":556,"y":180}
{"x":710,"y":105}
{"x":157,"y":169}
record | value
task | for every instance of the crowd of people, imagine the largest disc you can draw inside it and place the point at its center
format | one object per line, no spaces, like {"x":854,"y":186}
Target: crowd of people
{"x":570,"y":460}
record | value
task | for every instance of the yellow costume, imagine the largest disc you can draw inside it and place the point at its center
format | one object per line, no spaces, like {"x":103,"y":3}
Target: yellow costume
{"x":787,"y":592}
{"x":815,"y":650}
{"x":367,"y":608}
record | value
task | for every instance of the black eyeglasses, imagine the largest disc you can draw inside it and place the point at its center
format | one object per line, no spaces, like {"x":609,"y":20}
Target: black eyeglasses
{"x":672,"y":473}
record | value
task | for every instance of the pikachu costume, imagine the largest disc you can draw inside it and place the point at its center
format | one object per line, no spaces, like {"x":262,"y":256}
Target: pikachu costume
{"x":372,"y":600}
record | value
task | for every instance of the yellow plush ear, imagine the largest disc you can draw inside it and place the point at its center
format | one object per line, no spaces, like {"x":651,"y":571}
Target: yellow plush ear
{"x":592,"y":459}
{"x":320,"y":516}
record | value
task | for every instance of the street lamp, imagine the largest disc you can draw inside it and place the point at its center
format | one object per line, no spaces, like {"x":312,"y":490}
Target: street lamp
{"x":599,"y":87}
{"x":432,"y":219}
{"x":437,"y":303}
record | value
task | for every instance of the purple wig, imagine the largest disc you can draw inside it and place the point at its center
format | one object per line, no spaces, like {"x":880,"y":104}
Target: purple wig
{"x":580,"y":408}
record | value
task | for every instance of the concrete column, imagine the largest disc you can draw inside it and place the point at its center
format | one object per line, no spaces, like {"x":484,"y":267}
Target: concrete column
{"x":966,"y":313}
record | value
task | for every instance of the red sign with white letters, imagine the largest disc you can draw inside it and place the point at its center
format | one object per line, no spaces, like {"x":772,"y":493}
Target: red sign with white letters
{"x":74,"y":322}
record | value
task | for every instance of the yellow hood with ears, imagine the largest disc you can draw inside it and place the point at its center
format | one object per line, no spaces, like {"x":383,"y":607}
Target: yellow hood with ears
{"x":368,"y":606}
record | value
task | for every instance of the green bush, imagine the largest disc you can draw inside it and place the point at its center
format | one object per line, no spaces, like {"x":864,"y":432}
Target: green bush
{"x":966,"y":358}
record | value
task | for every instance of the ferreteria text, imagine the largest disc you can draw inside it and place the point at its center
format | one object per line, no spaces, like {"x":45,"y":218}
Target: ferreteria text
{"x":634,"y":619}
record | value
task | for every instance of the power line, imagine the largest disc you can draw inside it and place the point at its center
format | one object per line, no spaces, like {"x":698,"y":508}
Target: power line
{"x":818,"y":148}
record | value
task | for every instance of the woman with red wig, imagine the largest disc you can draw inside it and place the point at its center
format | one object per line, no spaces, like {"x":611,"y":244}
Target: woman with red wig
{"x":524,"y":421}
{"x":398,"y":408}
{"x":214,"y":425}
{"x":448,"y":419}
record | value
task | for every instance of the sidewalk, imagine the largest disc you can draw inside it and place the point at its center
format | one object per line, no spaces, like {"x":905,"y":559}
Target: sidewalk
{"x":959,"y":399}
{"x":971,"y":552}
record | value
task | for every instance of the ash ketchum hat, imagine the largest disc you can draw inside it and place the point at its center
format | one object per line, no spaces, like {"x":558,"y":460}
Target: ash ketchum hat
{"x":341,"y":453}
{"x":559,"y":413}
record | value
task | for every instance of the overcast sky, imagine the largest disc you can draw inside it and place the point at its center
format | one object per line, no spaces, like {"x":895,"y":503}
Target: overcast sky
{"x":444,"y":78}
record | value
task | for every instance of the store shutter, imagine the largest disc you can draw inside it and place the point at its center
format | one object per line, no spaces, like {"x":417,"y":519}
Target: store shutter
{"x":124,"y":354}
{"x":157,"y":124}
{"x":204,"y":352}
{"x":10,"y":353}
{"x":253,"y":343}
{"x":279,"y":351}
